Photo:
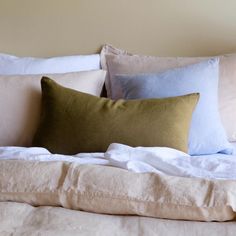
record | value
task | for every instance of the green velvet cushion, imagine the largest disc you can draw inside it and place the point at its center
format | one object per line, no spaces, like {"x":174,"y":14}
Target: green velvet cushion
{"x":74,"y":122}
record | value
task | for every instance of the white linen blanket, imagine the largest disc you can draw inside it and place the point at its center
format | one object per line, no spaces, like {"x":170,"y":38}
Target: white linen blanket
{"x":159,"y":160}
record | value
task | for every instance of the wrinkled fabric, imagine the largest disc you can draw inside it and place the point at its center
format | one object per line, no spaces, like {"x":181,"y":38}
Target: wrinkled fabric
{"x":109,"y":190}
{"x":21,"y":219}
{"x":160,"y":160}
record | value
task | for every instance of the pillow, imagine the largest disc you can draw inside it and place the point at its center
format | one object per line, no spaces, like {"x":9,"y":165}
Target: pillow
{"x":20,"y":100}
{"x":12,"y":65}
{"x":117,"y":61}
{"x":207,"y":135}
{"x":74,"y":122}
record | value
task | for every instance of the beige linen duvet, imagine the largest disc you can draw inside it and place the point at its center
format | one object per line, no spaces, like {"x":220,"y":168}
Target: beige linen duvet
{"x":59,"y":198}
{"x":109,"y":190}
{"x":20,"y":219}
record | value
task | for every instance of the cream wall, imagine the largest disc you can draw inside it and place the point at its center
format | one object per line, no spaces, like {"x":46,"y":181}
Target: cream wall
{"x":157,"y":27}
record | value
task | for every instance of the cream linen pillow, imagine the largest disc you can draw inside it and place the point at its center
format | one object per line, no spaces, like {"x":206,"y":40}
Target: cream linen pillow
{"x":20,"y":102}
{"x":117,"y":61}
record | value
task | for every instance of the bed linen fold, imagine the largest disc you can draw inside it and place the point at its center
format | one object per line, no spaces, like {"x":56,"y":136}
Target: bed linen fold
{"x":55,"y":221}
{"x":109,"y":190}
{"x":160,"y":160}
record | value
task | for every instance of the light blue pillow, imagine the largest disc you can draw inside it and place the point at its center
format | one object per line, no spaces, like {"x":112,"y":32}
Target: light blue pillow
{"x":207,"y":135}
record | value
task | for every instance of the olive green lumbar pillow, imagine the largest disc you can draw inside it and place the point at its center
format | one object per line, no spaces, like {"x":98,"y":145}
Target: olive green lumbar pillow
{"x":74,"y":122}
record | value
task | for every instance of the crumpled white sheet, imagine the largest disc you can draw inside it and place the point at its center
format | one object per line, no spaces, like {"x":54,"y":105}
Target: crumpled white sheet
{"x":159,"y":160}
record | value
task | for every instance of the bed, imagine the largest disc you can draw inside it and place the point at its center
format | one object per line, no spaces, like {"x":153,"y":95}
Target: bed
{"x":131,"y":174}
{"x":121,"y":190}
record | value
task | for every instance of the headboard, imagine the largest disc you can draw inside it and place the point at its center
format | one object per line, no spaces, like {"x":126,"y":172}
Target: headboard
{"x":155,"y":27}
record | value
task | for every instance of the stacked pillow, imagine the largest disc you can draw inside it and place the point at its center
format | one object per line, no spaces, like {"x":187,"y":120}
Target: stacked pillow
{"x":20,"y":92}
{"x":20,"y":102}
{"x":207,"y":134}
{"x":74,"y":122}
{"x":201,"y":78}
{"x":117,"y":61}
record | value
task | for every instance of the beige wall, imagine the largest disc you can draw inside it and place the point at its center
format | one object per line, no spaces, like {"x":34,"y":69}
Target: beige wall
{"x":157,"y":27}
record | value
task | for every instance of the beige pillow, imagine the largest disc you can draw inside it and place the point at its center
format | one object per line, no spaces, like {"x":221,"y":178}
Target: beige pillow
{"x":117,"y":61}
{"x":20,"y":101}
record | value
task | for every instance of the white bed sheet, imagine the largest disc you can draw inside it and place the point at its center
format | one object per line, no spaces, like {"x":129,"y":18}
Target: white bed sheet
{"x":141,"y":159}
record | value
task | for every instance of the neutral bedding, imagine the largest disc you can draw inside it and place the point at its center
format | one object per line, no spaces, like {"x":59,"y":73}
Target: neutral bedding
{"x":160,"y":160}
{"x":45,"y":216}
{"x":121,"y":190}
{"x":54,"y":221}
{"x":45,"y":180}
